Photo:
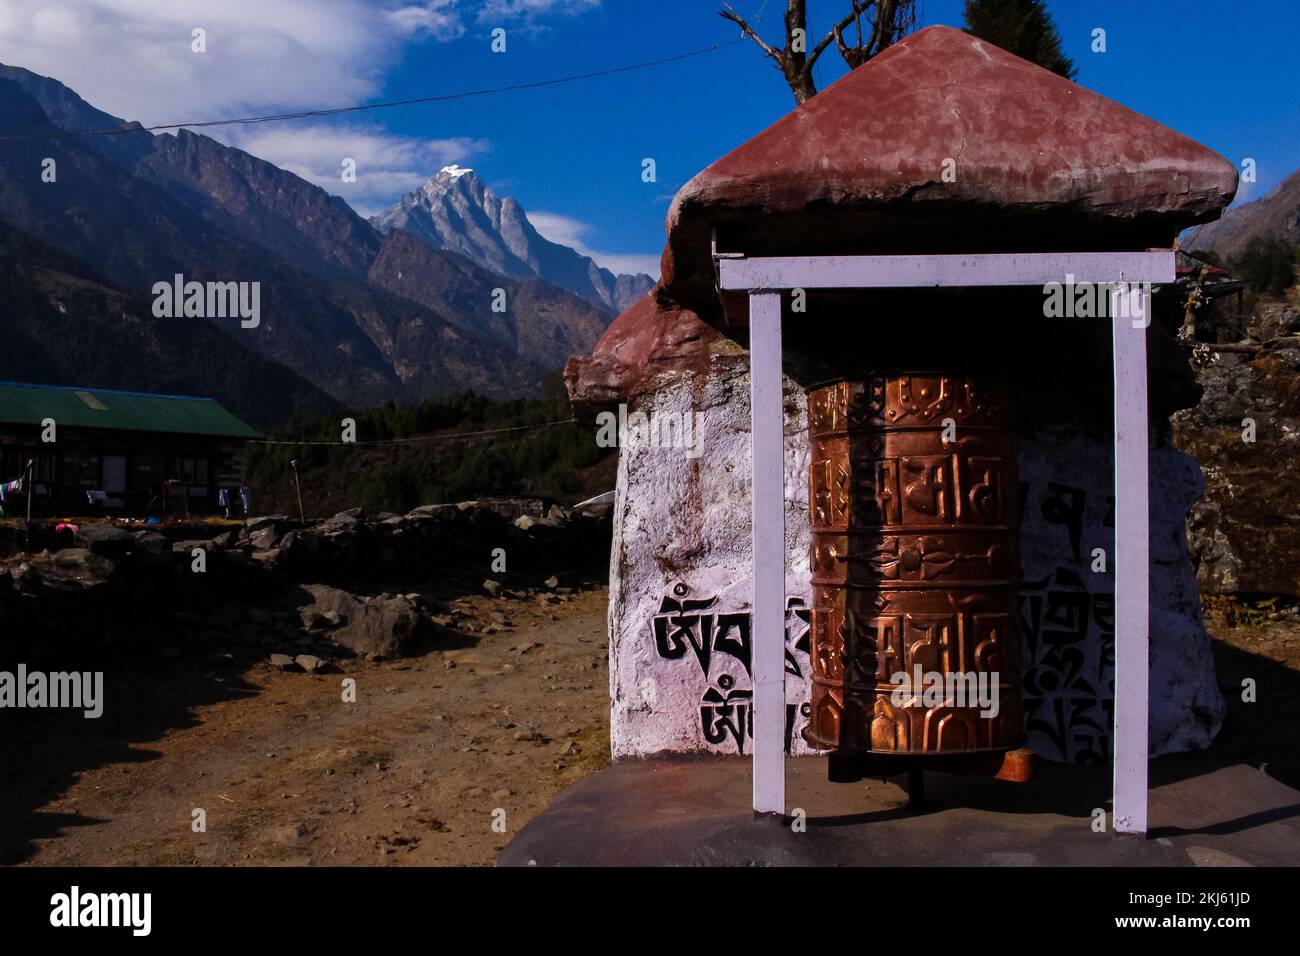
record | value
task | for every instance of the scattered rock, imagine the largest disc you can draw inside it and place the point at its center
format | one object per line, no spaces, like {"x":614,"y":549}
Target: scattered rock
{"x":295,"y":834}
{"x":310,"y":662}
{"x":283,"y":662}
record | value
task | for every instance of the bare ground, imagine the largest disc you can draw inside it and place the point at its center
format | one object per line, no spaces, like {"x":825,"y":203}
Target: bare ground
{"x":1265,"y":732}
{"x":480,"y":729}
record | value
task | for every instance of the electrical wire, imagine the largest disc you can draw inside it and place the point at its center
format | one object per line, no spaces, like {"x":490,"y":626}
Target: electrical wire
{"x":390,"y":104}
{"x":426,"y":438}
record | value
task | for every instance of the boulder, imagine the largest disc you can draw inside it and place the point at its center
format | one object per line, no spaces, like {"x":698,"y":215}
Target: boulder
{"x":270,"y":558}
{"x":151,"y":542}
{"x":84,"y":560}
{"x":264,"y":537}
{"x":256,"y":524}
{"x":26,"y":578}
{"x":381,"y":627}
{"x":186,"y":547}
{"x":105,"y":539}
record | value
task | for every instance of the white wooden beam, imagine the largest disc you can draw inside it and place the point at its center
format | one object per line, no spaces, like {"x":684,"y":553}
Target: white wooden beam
{"x":991,"y":269}
{"x":1132,"y":570}
{"x":767,"y":421}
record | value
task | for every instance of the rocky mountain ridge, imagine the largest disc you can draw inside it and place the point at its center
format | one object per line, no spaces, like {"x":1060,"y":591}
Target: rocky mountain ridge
{"x":454,"y":210}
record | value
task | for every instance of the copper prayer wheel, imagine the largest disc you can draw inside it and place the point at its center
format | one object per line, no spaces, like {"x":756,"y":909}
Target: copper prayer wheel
{"x":913,"y":500}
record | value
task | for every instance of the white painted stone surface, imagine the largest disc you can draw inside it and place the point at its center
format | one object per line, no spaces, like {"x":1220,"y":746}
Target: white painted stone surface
{"x":682,"y":533}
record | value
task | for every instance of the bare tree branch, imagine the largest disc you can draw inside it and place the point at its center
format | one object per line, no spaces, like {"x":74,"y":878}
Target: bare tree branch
{"x":859,"y":7}
{"x":795,"y":61}
{"x":745,"y":28}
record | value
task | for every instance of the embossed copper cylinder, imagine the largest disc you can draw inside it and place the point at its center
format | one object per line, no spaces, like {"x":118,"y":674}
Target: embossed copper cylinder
{"x":913,"y":499}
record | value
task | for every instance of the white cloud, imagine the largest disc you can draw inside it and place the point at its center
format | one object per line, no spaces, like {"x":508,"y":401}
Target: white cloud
{"x":133,"y":58}
{"x":435,"y":18}
{"x":387,"y":165}
{"x":496,"y":10}
{"x":569,"y":232}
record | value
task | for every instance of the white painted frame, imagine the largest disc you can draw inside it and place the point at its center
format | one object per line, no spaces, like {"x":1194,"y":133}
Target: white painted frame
{"x":765,"y":279}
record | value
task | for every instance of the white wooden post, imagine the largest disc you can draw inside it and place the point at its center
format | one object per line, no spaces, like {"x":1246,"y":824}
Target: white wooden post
{"x":1132,"y":567}
{"x":767,"y":423}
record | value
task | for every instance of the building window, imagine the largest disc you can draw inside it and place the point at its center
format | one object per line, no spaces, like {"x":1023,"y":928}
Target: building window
{"x":112,"y":474}
{"x":192,"y":471}
{"x":11,"y":464}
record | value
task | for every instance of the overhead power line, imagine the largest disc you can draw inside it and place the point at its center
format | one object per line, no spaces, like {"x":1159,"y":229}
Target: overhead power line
{"x":426,"y":438}
{"x":390,"y":104}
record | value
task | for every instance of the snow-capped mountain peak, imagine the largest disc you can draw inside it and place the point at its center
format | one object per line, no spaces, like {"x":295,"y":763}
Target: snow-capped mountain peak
{"x":455,"y":211}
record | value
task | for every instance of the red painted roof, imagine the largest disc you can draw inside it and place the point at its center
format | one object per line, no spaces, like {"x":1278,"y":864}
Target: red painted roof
{"x":1039,"y":162}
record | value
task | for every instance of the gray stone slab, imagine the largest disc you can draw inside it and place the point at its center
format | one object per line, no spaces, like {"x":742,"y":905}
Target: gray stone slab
{"x":695,"y":812}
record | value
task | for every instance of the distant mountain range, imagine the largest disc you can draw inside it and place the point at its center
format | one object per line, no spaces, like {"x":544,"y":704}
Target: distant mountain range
{"x":349,"y":313}
{"x":455,"y":211}
{"x":1277,"y":213}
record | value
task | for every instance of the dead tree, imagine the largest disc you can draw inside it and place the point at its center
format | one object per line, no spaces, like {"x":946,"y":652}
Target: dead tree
{"x":889,"y":20}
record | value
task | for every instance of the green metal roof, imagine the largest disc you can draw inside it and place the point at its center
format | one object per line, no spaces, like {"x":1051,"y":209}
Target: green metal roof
{"x":126,"y":411}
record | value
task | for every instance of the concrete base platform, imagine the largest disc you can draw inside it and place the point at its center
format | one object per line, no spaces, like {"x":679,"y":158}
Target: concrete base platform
{"x":696,"y":812}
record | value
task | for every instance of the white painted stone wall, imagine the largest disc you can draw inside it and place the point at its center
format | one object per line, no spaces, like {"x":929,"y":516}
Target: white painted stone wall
{"x":680,"y":589}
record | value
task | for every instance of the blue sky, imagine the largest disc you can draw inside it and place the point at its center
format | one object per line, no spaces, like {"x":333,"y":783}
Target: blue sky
{"x":1223,"y":75}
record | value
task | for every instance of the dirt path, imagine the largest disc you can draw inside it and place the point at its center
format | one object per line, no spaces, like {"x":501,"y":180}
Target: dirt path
{"x":487,"y":727}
